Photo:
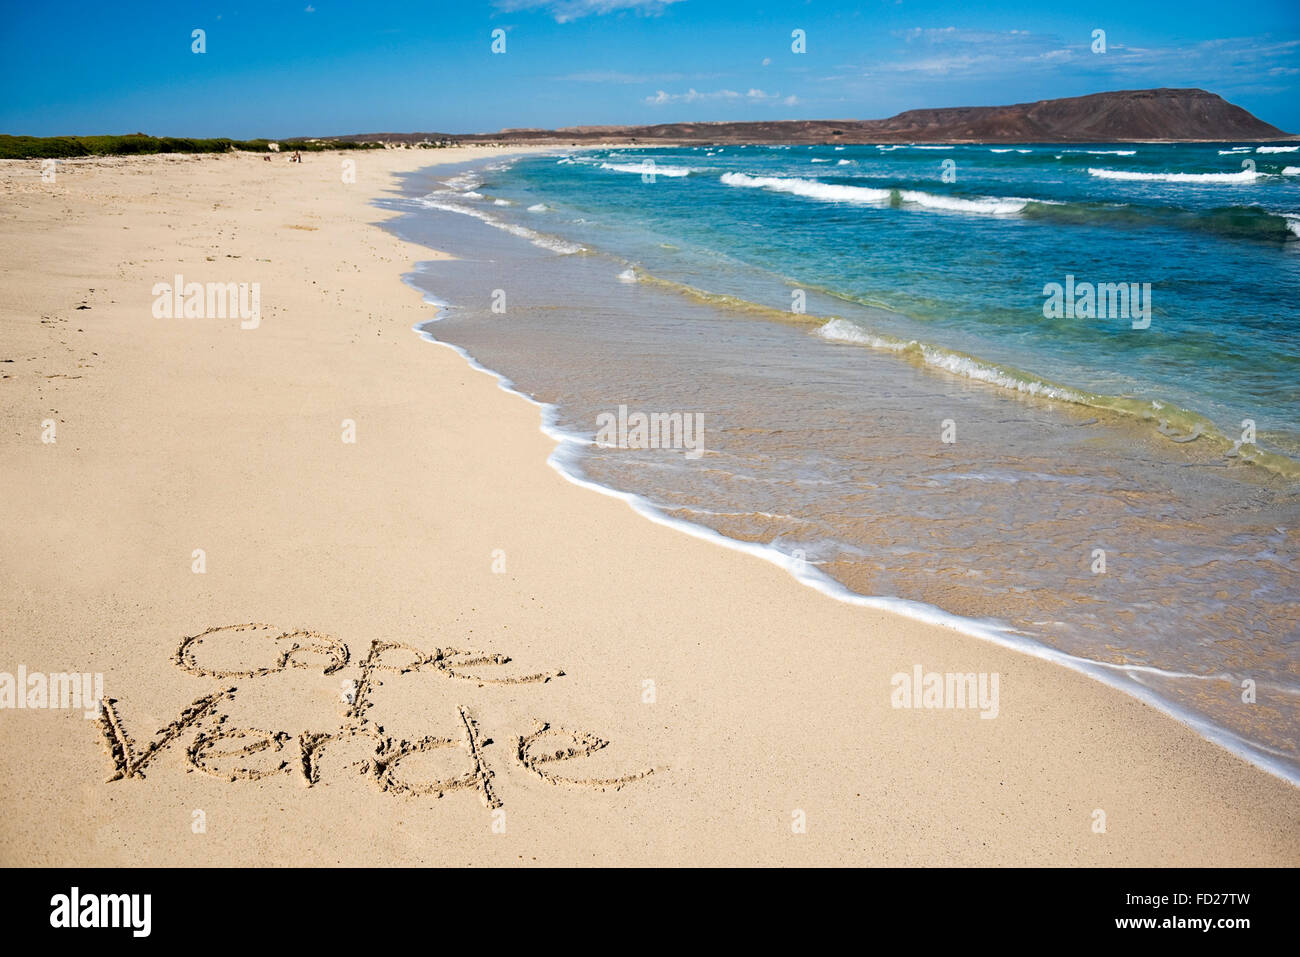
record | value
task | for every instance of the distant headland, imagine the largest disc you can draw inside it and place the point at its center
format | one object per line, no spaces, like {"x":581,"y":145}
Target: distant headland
{"x":1121,"y":116}
{"x":1162,"y":115}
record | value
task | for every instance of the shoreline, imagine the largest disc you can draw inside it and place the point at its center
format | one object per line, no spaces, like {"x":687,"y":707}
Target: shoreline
{"x":997,"y":634}
{"x":749,"y":726}
{"x":1115,"y":676}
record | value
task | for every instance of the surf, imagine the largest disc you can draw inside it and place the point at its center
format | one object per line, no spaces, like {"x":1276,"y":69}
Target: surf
{"x":1242,"y":177}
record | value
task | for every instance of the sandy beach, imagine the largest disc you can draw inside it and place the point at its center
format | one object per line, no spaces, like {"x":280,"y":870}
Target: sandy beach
{"x":383,"y":516}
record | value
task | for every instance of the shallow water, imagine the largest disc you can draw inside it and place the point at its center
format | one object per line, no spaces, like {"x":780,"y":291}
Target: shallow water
{"x":833,"y":451}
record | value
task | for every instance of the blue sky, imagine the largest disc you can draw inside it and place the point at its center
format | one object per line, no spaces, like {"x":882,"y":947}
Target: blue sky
{"x":278,"y":68}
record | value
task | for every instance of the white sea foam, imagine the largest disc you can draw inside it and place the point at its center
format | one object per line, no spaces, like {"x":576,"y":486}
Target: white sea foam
{"x":988,"y":205}
{"x":464,"y":181}
{"x":534,"y":237}
{"x":974,"y":369}
{"x":869,"y":195}
{"x":538,"y":208}
{"x":845,"y":163}
{"x":1276,"y":149}
{"x":809,"y":188}
{"x":1235,"y":149}
{"x":1104,"y":152}
{"x":627,"y":275}
{"x":1293,"y":224}
{"x":842,"y":330}
{"x":1291,"y":171}
{"x":1009,"y":150}
{"x":1242,"y":177}
{"x":657,"y":169}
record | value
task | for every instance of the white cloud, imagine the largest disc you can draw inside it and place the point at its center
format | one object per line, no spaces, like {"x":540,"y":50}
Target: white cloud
{"x":752,"y":95}
{"x":948,"y":53}
{"x":565,"y":11}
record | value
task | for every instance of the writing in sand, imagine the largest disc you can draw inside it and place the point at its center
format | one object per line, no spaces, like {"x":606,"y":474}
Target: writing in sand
{"x":243,"y":753}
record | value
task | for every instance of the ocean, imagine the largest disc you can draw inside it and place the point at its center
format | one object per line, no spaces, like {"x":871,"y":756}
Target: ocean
{"x":1044,"y":393}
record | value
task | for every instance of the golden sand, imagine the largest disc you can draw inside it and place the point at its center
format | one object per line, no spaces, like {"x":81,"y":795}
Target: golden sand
{"x":424,"y":645}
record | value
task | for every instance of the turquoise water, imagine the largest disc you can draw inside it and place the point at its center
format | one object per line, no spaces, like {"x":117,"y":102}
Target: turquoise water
{"x":593,"y":285}
{"x":962,"y":264}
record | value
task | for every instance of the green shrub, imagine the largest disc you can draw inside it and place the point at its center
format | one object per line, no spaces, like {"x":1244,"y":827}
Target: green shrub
{"x":56,"y":147}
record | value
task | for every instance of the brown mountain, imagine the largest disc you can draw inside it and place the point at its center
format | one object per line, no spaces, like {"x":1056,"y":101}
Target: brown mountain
{"x":1120,"y":116}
